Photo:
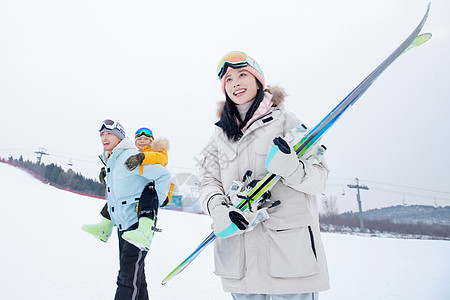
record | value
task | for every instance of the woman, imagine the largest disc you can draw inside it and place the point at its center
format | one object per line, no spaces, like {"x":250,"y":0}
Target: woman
{"x":282,"y":257}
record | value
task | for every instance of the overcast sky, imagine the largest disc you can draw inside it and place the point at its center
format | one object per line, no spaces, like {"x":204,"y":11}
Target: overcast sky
{"x":67,"y":65}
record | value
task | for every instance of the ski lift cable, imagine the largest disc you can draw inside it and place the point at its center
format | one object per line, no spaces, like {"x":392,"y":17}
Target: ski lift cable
{"x":401,"y":192}
{"x":75,"y":159}
{"x":50,"y":152}
{"x":409,"y":187}
{"x":383,"y":183}
{"x":411,"y":194}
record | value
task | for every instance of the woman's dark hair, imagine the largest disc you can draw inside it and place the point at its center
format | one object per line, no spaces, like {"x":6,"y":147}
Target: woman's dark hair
{"x":230,"y":113}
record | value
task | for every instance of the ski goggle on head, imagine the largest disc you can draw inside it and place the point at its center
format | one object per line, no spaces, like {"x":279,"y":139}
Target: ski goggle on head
{"x":236,"y":59}
{"x":143,"y":132}
{"x":111,"y":125}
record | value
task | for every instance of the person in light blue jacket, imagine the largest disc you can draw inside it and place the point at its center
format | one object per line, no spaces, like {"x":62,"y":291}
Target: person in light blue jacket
{"x":135,"y":224}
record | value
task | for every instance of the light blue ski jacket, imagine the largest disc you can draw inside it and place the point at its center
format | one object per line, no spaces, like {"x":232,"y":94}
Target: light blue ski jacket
{"x":124,"y":187}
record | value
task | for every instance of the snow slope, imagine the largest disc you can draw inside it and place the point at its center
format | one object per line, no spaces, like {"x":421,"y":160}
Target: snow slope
{"x":45,"y":255}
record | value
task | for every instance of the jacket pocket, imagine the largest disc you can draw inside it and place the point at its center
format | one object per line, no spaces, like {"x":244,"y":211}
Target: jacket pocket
{"x":229,"y":257}
{"x":292,"y":253}
{"x":262,"y":145}
{"x":126,"y":213}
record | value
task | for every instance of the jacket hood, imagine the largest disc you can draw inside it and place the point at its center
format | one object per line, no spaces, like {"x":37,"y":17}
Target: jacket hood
{"x":126,"y":143}
{"x":160,"y":144}
{"x":278,"y":97}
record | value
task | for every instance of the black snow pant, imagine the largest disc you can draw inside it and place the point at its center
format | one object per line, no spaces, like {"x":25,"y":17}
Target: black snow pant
{"x":131,"y":283}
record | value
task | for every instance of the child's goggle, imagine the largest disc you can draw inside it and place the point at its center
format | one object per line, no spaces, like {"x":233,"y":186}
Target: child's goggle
{"x":236,"y":59}
{"x":143,"y":131}
{"x":111,"y":125}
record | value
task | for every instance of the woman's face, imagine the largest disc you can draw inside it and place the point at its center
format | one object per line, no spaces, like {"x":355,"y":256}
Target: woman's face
{"x":240,"y":85}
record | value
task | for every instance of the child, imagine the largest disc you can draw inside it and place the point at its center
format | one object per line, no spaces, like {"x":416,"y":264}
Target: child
{"x":156,"y":155}
{"x":152,"y":152}
{"x":282,"y":257}
{"x":123,"y":188}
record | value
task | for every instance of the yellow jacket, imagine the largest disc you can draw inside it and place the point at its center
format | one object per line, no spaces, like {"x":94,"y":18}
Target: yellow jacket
{"x":156,"y":153}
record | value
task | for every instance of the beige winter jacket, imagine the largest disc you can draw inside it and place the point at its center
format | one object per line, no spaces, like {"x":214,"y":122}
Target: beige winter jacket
{"x":284,"y":254}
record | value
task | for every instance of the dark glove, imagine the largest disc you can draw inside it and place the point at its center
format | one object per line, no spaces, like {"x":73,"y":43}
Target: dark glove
{"x":134,"y":160}
{"x":102,"y":176}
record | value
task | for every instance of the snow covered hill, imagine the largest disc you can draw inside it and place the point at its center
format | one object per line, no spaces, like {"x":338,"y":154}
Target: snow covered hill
{"x":45,"y":255}
{"x":411,"y":214}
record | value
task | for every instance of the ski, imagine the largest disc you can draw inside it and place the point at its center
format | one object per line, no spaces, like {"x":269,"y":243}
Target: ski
{"x":308,"y":142}
{"x":313,"y":136}
{"x":211,"y":237}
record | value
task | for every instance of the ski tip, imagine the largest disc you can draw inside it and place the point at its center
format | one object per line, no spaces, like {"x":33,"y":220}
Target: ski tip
{"x":419,"y":40}
{"x":424,"y":37}
{"x":428,"y":8}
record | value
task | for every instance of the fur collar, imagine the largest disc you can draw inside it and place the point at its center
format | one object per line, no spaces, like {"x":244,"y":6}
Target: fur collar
{"x":278,"y":97}
{"x":160,"y":144}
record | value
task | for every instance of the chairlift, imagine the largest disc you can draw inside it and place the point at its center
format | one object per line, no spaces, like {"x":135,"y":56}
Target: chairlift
{"x":70,"y":162}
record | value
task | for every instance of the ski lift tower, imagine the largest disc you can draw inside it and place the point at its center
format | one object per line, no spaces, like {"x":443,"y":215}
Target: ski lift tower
{"x":358,"y":187}
{"x":40,"y":153}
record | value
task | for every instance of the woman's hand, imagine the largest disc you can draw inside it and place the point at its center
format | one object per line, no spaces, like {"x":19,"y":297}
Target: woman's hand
{"x":227,"y":220}
{"x":282,"y":159}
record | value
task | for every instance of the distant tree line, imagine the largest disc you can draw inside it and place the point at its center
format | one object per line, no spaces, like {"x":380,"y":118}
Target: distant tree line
{"x":352,"y":220}
{"x":58,"y":176}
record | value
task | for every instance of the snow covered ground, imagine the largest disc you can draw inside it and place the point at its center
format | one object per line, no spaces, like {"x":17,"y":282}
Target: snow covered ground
{"x":45,"y":255}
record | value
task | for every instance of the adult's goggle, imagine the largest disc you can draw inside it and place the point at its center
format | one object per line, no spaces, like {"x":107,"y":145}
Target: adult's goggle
{"x":236,"y":59}
{"x":111,"y":125}
{"x":143,"y":131}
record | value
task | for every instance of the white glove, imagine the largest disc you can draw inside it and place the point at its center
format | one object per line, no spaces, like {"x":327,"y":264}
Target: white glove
{"x":227,"y":220}
{"x":282,"y":159}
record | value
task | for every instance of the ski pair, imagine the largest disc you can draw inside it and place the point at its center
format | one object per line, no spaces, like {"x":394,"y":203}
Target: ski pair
{"x":310,"y":139}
